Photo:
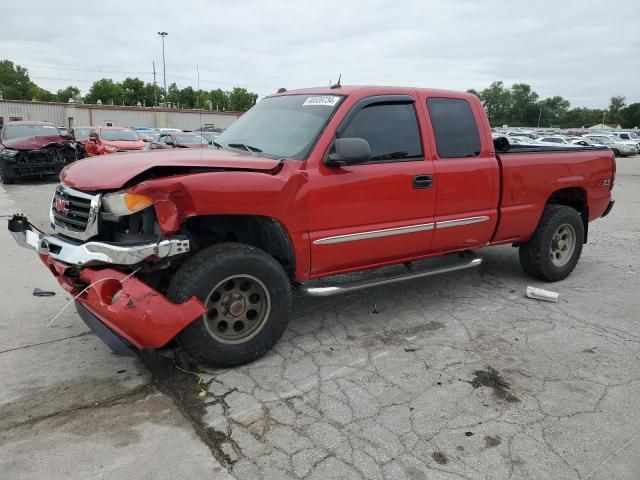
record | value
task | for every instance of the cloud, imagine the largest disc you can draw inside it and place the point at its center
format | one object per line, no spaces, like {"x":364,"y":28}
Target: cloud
{"x":584,"y":51}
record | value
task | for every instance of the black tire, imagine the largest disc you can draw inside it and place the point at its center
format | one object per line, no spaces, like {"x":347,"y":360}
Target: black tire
{"x":536,"y":253}
{"x":616,"y":152}
{"x":7,"y":174}
{"x":203,"y":274}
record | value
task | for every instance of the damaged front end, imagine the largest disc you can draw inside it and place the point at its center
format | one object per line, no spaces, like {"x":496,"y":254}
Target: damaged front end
{"x":49,"y":159}
{"x":121,"y":308}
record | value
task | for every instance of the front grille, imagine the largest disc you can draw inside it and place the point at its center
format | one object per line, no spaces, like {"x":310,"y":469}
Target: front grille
{"x":74,"y":213}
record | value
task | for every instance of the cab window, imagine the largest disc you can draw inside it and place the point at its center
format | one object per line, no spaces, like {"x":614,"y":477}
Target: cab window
{"x":454,"y":127}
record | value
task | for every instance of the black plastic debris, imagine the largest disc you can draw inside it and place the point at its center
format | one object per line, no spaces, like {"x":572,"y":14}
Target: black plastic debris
{"x":37,"y":292}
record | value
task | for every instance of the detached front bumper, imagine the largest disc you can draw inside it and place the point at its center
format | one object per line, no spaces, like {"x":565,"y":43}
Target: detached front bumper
{"x":92,"y":253}
{"x":123,"y":304}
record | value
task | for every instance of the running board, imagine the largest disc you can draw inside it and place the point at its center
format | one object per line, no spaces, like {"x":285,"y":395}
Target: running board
{"x":324,"y":288}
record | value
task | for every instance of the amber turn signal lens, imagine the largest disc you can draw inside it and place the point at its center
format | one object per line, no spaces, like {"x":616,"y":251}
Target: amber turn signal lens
{"x":135,"y":202}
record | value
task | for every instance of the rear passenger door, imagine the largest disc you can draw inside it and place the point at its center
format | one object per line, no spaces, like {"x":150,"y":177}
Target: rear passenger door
{"x":467,"y":175}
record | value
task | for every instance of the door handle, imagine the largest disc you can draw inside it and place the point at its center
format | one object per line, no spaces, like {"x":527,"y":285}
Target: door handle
{"x":422,"y":181}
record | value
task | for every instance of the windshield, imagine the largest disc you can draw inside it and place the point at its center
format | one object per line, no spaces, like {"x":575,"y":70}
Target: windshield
{"x":81,"y":133}
{"x":190,"y":139}
{"x":10,"y":132}
{"x":120,"y":135}
{"x":283,"y":126}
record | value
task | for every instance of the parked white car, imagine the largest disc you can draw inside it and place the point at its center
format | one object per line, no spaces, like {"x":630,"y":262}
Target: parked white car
{"x":620,"y":149}
{"x":558,"y":140}
{"x":628,"y":137}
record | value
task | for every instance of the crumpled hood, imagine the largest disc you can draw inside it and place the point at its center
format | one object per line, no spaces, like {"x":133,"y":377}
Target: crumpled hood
{"x":34,"y":143}
{"x":110,"y":172}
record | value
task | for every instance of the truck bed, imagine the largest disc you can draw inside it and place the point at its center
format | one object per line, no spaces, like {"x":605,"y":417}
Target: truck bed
{"x":532,"y":174}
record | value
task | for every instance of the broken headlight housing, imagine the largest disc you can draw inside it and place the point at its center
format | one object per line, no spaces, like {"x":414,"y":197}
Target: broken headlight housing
{"x":9,"y":154}
{"x":123,"y":203}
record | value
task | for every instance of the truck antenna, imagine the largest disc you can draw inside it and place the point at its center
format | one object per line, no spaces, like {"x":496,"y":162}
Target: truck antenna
{"x":337,"y":85}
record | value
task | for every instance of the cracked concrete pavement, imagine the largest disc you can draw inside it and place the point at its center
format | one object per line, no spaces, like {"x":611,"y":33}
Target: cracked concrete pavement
{"x":457,"y":376}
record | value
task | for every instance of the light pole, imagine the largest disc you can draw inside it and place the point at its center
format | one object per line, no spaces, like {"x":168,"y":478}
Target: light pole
{"x":164,"y":67}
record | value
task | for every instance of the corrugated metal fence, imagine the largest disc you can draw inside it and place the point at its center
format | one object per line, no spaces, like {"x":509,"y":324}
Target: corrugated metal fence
{"x":76,"y":115}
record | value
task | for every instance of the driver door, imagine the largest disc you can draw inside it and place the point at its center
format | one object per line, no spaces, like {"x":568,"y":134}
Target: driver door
{"x":377,"y":212}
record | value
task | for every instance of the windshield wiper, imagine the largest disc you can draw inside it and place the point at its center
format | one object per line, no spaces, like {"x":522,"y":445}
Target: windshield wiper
{"x":391,"y":155}
{"x":243,"y":146}
{"x":216,"y":144}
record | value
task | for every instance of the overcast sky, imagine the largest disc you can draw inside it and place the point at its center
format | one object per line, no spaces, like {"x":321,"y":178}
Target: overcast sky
{"x":585,"y":51}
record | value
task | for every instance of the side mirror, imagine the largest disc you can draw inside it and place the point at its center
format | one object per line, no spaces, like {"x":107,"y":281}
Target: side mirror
{"x":349,"y":151}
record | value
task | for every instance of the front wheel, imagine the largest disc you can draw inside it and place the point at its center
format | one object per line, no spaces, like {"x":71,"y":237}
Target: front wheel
{"x":553,"y":251}
{"x":7,"y":175}
{"x":248,"y":299}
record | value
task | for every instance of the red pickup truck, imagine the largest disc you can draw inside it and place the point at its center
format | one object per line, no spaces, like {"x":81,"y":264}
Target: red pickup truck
{"x":205,"y":245}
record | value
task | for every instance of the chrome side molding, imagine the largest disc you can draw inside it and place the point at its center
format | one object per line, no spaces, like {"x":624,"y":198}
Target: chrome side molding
{"x":386,"y":232}
{"x":461,"y":221}
{"x":374,"y":234}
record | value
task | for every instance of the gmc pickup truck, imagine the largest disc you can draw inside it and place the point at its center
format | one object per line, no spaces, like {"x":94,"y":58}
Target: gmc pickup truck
{"x":204,"y":246}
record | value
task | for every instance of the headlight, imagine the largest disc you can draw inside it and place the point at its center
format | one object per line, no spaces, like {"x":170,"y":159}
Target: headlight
{"x":110,"y":148}
{"x":7,"y":153}
{"x":121,"y":203}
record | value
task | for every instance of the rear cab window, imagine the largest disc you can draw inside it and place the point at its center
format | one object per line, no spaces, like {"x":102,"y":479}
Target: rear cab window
{"x":454,"y":126}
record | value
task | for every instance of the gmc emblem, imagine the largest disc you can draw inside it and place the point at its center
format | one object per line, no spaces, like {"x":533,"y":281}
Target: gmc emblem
{"x":61,"y":205}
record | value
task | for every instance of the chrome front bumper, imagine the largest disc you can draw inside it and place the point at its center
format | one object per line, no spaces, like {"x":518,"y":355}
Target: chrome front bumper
{"x":92,"y":253}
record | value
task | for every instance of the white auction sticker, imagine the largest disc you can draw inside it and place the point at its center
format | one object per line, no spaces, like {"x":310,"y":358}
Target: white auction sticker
{"x":323,"y":101}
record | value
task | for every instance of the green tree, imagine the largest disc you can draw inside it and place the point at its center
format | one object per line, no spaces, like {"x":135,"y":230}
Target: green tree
{"x":219,"y":99}
{"x":187,"y":97}
{"x":582,"y":117}
{"x":151,"y":92}
{"x":37,"y":93}
{"x":497,"y":102}
{"x":616,"y":105}
{"x":107,"y":91}
{"x":631,"y":116}
{"x":133,"y":91}
{"x":70,"y":92}
{"x":173,"y":94}
{"x":241,"y":100}
{"x":552,"y":111}
{"x":15,"y":83}
{"x":523,"y":105}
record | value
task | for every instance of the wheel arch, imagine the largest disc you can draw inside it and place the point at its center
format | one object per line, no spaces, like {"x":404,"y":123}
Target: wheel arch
{"x":266,"y":233}
{"x":576,"y":198}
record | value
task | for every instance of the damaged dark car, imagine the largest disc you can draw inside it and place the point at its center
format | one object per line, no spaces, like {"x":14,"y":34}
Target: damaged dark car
{"x":34,"y":149}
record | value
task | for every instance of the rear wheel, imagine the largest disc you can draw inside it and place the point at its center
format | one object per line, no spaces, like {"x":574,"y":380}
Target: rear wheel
{"x":553,"y":251}
{"x":616,"y":152}
{"x":248,"y":299}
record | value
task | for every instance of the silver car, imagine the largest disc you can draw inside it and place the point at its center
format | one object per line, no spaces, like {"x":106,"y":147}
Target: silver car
{"x":620,"y":149}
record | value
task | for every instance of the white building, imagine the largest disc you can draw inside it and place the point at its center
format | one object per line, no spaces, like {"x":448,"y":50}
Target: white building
{"x":77,"y":115}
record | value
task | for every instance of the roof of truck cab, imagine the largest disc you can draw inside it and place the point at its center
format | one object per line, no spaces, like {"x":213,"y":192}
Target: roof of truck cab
{"x":374,"y":90}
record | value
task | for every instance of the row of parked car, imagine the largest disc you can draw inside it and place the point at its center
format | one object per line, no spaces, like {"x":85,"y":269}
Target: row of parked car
{"x":37,"y":149}
{"x":622,"y":143}
{"x":102,"y":140}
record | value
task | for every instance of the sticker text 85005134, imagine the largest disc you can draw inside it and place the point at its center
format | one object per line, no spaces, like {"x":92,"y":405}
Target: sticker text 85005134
{"x":323,"y":101}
